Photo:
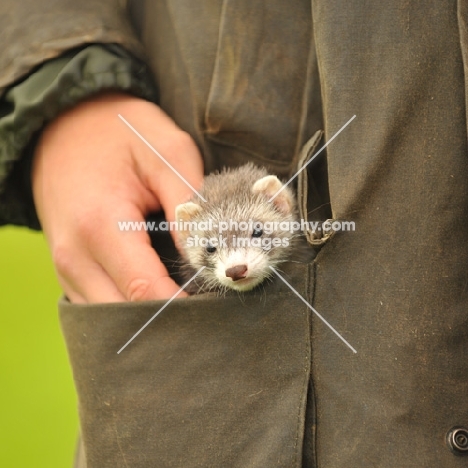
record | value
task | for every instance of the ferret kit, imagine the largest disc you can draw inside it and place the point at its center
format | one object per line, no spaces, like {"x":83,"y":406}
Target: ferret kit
{"x":242,"y":229}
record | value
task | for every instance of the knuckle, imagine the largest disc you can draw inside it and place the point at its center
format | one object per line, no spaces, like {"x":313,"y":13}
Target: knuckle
{"x":182,"y":143}
{"x":63,"y":259}
{"x":86,"y":225}
{"x":185,"y":140}
{"x":138,"y":289}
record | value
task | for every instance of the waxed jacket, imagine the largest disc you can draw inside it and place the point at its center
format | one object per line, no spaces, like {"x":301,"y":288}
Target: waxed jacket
{"x":258,"y":382}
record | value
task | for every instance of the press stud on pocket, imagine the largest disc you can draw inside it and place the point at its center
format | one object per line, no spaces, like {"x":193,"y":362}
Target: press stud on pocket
{"x":457,"y":440}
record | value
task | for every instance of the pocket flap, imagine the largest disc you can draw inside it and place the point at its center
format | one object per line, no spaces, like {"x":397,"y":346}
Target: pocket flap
{"x":211,"y":382}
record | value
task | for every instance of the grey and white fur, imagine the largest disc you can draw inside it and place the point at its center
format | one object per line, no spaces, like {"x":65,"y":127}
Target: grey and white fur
{"x":236,"y":258}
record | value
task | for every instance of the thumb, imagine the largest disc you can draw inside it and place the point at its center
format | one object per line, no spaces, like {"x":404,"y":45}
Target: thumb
{"x":174,"y":177}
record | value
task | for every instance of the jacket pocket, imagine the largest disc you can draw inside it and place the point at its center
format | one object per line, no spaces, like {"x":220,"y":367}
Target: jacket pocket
{"x":211,"y":381}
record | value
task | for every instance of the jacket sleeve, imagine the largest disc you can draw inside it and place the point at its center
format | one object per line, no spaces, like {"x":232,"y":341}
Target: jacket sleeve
{"x":32,"y":32}
{"x":27,"y":107}
{"x":52,"y":59}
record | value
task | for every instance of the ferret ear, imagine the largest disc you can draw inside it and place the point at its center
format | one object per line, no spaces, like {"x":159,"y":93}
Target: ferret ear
{"x":187,"y":211}
{"x":269,"y":186}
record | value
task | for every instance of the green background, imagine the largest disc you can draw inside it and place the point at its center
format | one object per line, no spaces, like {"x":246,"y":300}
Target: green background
{"x":38,"y":418}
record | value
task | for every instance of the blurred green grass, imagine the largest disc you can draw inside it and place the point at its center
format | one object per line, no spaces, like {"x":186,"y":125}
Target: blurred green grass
{"x":38,"y":417}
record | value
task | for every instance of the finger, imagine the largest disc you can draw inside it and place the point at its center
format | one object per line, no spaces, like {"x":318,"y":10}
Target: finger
{"x":174,"y":175}
{"x":84,"y":281}
{"x":134,"y":267}
{"x":174,"y":191}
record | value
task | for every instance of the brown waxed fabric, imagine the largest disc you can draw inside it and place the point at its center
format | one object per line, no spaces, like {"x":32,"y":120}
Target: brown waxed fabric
{"x":397,"y":287}
{"x":247,"y":89}
{"x":210,"y":382}
{"x":34,"y":31}
{"x":254,"y":80}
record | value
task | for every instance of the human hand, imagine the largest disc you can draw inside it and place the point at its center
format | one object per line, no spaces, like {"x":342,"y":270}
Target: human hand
{"x":90,"y":171}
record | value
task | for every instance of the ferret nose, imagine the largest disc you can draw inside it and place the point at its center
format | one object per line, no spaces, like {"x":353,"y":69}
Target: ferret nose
{"x":236,"y":272}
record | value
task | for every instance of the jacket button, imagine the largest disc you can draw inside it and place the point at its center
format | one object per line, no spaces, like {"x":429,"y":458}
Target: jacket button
{"x":457,"y":439}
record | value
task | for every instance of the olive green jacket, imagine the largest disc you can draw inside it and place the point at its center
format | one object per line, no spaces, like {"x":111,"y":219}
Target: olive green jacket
{"x":261,"y":381}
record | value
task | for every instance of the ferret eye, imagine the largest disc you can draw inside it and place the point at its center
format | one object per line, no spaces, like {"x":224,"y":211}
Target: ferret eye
{"x":210,"y":249}
{"x":257,"y":232}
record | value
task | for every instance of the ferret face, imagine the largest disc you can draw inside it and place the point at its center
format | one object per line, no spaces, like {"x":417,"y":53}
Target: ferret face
{"x":237,"y":243}
{"x":238,"y":259}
